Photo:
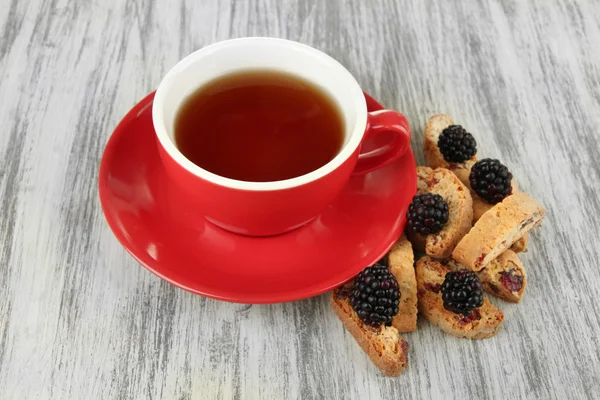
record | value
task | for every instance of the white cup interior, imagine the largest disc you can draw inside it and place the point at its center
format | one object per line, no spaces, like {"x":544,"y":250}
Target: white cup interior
{"x":234,"y":55}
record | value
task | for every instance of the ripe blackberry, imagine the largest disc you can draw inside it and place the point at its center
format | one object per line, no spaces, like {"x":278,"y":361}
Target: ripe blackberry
{"x":456,"y":144}
{"x":462,"y":292}
{"x":376,"y":295}
{"x":427,"y":213}
{"x":491,"y":180}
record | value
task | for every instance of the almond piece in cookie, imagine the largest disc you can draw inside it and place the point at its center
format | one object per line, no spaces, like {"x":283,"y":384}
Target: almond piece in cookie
{"x":498,"y":229}
{"x":460,"y":211}
{"x":384,"y":346}
{"x":401,"y":264}
{"x":483,"y":322}
{"x":435,"y":159}
{"x":504,"y":277}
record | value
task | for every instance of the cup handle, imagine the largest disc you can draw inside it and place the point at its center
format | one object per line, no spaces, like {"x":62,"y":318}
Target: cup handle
{"x":384,"y":121}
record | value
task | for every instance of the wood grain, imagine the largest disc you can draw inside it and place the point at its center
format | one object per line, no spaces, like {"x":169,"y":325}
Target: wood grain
{"x":80,"y":319}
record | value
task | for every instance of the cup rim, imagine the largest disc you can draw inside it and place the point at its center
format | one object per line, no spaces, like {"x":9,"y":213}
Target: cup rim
{"x":355,"y":136}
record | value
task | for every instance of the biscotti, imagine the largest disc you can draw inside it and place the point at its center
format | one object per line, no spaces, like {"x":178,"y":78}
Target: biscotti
{"x":498,"y":229}
{"x":504,"y":277}
{"x":384,"y":346}
{"x":434,"y":157}
{"x":460,"y":211}
{"x":483,"y":322}
{"x":481,"y":206}
{"x":401,"y":264}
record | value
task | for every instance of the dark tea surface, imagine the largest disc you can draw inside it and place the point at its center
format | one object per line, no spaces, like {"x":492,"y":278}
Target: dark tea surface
{"x":259,"y":126}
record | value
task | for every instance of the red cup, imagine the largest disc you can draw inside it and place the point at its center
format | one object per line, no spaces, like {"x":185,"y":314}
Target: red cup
{"x":269,"y":208}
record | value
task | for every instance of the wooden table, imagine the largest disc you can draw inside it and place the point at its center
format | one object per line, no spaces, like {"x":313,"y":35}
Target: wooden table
{"x":80,"y":319}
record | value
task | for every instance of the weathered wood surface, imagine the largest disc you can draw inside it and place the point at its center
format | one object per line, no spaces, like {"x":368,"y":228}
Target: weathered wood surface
{"x":80,"y":319}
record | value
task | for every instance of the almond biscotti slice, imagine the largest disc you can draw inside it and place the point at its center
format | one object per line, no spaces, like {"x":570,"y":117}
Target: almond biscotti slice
{"x":460,"y":211}
{"x":498,"y":229}
{"x":401,"y":262}
{"x":504,"y":277}
{"x":483,"y":322}
{"x":384,"y":346}
{"x":435,"y":159}
{"x":481,"y":206}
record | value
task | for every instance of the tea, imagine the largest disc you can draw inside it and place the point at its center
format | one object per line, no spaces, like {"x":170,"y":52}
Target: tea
{"x":259,"y":126}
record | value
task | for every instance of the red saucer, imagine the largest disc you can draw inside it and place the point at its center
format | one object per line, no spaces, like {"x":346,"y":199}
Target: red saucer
{"x":179,"y":245}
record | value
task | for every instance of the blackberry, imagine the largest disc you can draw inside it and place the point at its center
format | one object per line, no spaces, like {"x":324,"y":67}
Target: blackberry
{"x":376,"y":295}
{"x":462,"y":292}
{"x":491,"y":180}
{"x":427,"y":213}
{"x":456,"y":144}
